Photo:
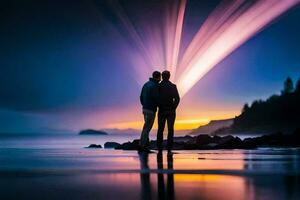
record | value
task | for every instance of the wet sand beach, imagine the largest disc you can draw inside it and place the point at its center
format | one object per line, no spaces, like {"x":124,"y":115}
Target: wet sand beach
{"x":79,"y":173}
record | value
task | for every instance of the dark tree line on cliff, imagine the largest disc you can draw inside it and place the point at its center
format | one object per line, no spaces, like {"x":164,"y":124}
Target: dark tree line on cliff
{"x":278,"y":112}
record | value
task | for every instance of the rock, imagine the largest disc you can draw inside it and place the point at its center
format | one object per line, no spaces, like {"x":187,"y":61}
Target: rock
{"x":190,"y":145}
{"x":230,"y":142}
{"x":216,"y":139}
{"x":183,"y":139}
{"x":112,"y":145}
{"x":178,"y":145}
{"x":134,"y":145}
{"x":136,"y":142}
{"x":203,"y":139}
{"x":153,"y":144}
{"x":92,"y":132}
{"x":276,"y":140}
{"x":226,"y":139}
{"x":294,"y":138}
{"x":98,"y":146}
{"x":207,"y":142}
{"x":249,"y":143}
{"x":212,"y":145}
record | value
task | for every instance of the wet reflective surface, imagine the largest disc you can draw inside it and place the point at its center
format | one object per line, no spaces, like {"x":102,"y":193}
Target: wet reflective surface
{"x":109,"y":174}
{"x":80,"y":173}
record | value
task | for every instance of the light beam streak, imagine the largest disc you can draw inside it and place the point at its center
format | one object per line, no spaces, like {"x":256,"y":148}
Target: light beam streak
{"x":173,"y":32}
{"x":230,"y":25}
{"x":233,"y":32}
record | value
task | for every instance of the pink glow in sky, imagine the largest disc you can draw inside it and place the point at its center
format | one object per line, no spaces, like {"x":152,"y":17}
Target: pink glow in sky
{"x":232,"y":26}
{"x":229,"y":25}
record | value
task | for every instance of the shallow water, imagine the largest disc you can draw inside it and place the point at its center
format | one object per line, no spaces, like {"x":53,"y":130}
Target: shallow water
{"x":57,"y":167}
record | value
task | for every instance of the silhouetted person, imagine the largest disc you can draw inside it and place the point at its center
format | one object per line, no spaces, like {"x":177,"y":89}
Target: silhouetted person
{"x":149,"y":100}
{"x":168,"y":102}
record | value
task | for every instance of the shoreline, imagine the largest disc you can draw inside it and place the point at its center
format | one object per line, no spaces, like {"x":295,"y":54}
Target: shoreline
{"x":209,"y":142}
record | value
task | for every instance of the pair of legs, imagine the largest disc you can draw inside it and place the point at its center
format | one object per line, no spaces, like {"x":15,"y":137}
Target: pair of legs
{"x":163,"y":117}
{"x":149,"y":117}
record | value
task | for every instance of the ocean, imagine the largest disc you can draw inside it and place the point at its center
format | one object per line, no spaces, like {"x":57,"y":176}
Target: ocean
{"x":58,"y":166}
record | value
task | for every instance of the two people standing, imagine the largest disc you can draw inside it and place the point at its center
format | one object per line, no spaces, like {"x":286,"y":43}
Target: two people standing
{"x":164,"y":96}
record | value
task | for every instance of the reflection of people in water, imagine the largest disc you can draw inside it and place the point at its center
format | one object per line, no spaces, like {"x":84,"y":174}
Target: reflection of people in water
{"x":170,"y":183}
{"x":145,"y":176}
{"x":164,"y":192}
{"x":160,"y":176}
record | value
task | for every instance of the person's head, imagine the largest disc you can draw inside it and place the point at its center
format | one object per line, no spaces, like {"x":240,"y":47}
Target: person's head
{"x":156,"y":75}
{"x":166,"y":75}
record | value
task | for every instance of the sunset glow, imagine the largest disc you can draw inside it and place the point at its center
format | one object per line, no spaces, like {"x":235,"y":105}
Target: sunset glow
{"x":90,"y":74}
{"x":87,"y":110}
{"x":180,"y":124}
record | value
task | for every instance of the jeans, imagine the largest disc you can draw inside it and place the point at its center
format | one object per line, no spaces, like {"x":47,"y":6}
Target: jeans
{"x":149,"y":117}
{"x":163,"y":117}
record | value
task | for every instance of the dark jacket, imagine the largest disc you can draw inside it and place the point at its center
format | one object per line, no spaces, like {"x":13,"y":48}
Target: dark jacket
{"x":168,"y":96}
{"x":149,"y":95}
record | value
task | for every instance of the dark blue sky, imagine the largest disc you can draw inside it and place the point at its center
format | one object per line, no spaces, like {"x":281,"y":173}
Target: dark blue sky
{"x":63,"y":65}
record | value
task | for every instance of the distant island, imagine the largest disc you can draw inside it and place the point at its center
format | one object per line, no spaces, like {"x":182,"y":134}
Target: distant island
{"x":92,"y":132}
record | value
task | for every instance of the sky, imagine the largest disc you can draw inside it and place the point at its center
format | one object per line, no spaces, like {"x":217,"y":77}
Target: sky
{"x":64,"y":66}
